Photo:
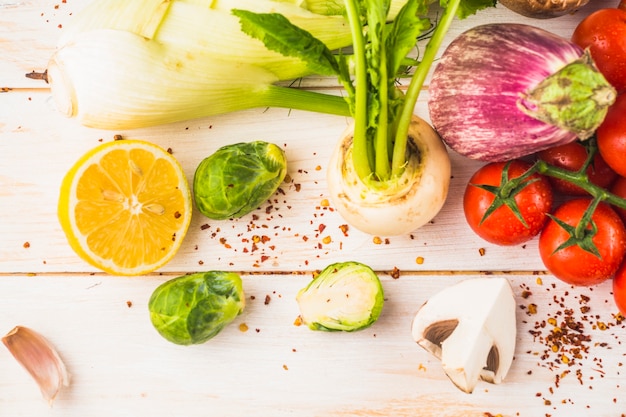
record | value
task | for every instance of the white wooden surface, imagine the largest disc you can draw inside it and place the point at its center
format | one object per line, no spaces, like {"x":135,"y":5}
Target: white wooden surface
{"x":120,"y":366}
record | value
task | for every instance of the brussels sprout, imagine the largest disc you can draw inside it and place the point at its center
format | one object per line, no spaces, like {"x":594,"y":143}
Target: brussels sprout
{"x":345,"y":296}
{"x":194,"y":308}
{"x":237,"y":178}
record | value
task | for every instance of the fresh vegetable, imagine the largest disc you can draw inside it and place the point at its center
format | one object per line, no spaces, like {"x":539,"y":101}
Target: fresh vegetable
{"x":39,"y":358}
{"x":506,"y":212}
{"x":192,"y":309}
{"x":619,"y":189}
{"x":237,"y":178}
{"x":123,"y":64}
{"x":382,"y":154}
{"x":345,"y":296}
{"x":125,"y":207}
{"x":604,"y":33}
{"x":612,"y":136}
{"x":573,"y":156}
{"x":582,"y":245}
{"x":503,"y":91}
{"x":619,"y":288}
{"x":543,"y":9}
{"x":471,"y":327}
{"x":392,"y":208}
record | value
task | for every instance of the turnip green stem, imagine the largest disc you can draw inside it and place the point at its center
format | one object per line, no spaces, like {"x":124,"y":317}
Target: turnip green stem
{"x":416,"y":84}
{"x":360,"y":154}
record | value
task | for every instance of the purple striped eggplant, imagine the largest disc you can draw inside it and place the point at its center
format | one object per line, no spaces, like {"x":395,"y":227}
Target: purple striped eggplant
{"x":503,"y":91}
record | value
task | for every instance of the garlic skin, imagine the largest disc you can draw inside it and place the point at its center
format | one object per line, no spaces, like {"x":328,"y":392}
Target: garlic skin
{"x":39,"y":358}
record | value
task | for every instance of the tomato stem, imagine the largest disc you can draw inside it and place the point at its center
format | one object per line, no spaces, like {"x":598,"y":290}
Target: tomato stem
{"x":580,"y":177}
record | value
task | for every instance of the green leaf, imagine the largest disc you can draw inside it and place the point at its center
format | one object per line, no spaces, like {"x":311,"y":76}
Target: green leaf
{"x":280,"y":35}
{"x":470,"y":7}
{"x":403,"y":33}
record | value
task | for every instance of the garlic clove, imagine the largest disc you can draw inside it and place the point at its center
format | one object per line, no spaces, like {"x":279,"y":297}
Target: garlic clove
{"x":471,"y":328}
{"x":39,"y":358}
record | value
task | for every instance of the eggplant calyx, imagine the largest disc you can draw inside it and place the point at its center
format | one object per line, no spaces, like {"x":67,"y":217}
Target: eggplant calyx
{"x":576,"y":98}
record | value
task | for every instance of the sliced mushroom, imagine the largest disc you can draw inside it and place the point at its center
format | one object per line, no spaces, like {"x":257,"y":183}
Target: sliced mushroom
{"x":471,"y":328}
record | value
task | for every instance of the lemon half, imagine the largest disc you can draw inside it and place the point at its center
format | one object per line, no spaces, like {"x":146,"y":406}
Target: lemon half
{"x":125,"y":207}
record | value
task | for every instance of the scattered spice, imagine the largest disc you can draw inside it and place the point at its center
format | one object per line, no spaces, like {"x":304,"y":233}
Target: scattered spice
{"x":26,"y":245}
{"x":243,"y":327}
{"x":267,"y":299}
{"x":419,"y":260}
{"x":395,"y":273}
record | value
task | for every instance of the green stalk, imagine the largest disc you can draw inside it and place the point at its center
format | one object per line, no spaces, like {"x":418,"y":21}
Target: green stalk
{"x":581,"y":180}
{"x":383,"y":167}
{"x":360,"y":154}
{"x":297,"y":99}
{"x":415,"y":86}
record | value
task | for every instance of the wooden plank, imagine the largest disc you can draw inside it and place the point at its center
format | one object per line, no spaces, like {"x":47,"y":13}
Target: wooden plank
{"x":292,"y":221}
{"x":29,"y":31}
{"x":120,"y":365}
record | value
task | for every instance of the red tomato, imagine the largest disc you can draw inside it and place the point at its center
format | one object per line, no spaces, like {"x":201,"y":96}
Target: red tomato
{"x":572,"y":156}
{"x":502,"y":227}
{"x":604,"y":33}
{"x":612,"y":136}
{"x":573,"y":264}
{"x":619,"y":288}
{"x":619,"y":189}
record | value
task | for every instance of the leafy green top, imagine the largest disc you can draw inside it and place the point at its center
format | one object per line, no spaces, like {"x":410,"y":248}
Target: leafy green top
{"x":382,"y":112}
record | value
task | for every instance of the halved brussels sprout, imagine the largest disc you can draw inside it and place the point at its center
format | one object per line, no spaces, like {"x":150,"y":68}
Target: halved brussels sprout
{"x":237,"y":178}
{"x":192,"y":309}
{"x":345,"y":296}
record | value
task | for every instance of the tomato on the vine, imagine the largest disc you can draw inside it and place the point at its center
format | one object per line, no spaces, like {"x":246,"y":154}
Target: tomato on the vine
{"x":612,"y":136}
{"x":604,"y":33}
{"x":573,"y":264}
{"x":619,"y":189}
{"x":619,"y":288}
{"x":498,"y":223}
{"x":571,"y":157}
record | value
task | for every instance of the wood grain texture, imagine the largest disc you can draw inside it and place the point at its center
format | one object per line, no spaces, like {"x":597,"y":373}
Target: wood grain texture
{"x":119,"y":364}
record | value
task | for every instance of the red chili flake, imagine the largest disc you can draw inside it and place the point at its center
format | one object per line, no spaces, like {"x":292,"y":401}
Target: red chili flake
{"x":204,"y":226}
{"x":395,"y":273}
{"x":26,"y":245}
{"x":321,"y":227}
{"x":298,"y":187}
{"x":267,"y":299}
{"x":129,"y":303}
{"x":264,"y":258}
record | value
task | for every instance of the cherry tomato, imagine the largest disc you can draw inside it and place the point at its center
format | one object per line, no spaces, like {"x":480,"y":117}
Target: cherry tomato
{"x":502,"y":227}
{"x":619,"y":288}
{"x":619,"y":189}
{"x":612,"y":136}
{"x":604,"y":33}
{"x":573,"y":264}
{"x":572,"y":156}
